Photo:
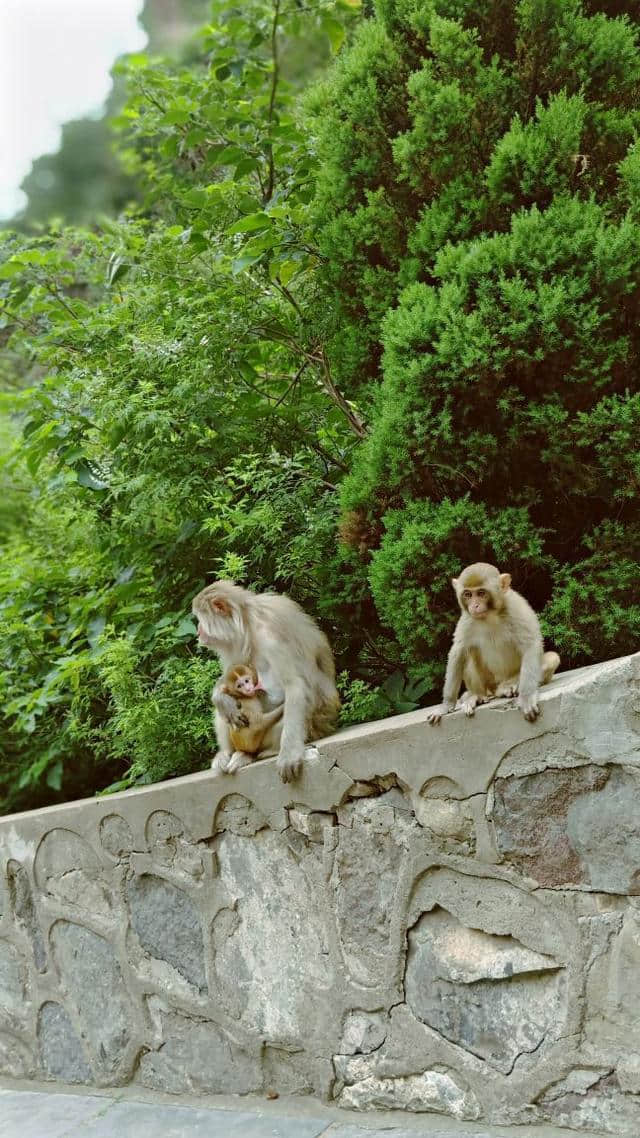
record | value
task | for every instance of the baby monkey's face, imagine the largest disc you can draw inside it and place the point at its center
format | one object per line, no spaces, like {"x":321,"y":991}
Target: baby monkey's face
{"x":245,"y":685}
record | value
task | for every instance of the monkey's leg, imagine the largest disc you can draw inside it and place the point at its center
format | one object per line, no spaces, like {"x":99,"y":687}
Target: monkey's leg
{"x":530,"y":670}
{"x":507,"y":689}
{"x":271,"y":717}
{"x":550,"y":665}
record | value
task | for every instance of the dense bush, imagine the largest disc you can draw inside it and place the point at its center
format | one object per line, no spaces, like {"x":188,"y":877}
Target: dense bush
{"x":479,"y":207}
{"x":404,"y":310}
{"x":173,"y":414}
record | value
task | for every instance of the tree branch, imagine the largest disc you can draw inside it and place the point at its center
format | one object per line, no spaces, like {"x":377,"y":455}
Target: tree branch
{"x":275,"y":75}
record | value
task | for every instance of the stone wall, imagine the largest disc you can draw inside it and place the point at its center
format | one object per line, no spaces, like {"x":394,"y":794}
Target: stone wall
{"x":433,"y":919}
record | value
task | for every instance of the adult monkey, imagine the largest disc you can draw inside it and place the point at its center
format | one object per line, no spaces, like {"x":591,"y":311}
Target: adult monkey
{"x":292,"y":657}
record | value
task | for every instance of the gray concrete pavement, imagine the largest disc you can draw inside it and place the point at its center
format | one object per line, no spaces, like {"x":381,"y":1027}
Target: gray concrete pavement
{"x":26,"y":1113}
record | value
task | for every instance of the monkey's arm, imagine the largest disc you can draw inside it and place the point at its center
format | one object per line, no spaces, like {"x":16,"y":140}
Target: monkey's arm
{"x":292,"y":742}
{"x":452,"y":681}
{"x":270,"y":717}
{"x":530,"y":671}
{"x":227,"y":706}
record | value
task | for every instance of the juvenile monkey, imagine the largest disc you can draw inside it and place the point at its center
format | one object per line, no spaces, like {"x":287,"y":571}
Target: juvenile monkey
{"x":497,"y":646}
{"x":249,"y":725}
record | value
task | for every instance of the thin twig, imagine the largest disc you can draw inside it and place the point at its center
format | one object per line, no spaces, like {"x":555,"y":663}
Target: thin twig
{"x":293,"y":383}
{"x":60,"y":299}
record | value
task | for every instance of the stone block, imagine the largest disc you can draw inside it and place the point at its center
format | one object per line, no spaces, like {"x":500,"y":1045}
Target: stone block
{"x":93,"y":982}
{"x":363,"y":1032}
{"x":531,"y":814}
{"x":488,"y":994}
{"x":13,"y":986}
{"x":311,"y":823}
{"x":431,"y":1092}
{"x":61,"y":1053}
{"x":199,"y":1057}
{"x":168,"y":926}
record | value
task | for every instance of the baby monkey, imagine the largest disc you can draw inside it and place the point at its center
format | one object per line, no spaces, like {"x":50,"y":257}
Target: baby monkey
{"x":497,"y":646}
{"x":248,"y":728}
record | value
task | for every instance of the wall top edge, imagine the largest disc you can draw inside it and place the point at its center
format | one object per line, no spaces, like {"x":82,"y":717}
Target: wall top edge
{"x":405,"y":743}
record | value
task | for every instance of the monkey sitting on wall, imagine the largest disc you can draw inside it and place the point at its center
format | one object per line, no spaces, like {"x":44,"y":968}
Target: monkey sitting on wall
{"x":247,"y":728}
{"x":497,"y":646}
{"x":292,"y":657}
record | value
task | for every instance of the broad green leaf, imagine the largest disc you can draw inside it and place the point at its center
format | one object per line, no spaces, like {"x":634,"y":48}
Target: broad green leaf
{"x":335,"y":31}
{"x":54,"y":775}
{"x":242,"y":263}
{"x":287,"y":270}
{"x":249,"y":224}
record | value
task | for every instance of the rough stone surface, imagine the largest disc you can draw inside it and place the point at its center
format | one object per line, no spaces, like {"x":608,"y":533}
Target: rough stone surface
{"x":432,"y":1091}
{"x":24,"y":911}
{"x":489,"y":994}
{"x":197,"y":1056}
{"x":61,"y":1051}
{"x":274,"y":957}
{"x":438,"y":920}
{"x":115,"y":835}
{"x":91,"y":975}
{"x":168,"y":926}
{"x":531,"y":819}
{"x":12,"y":986}
{"x":363,"y":1032}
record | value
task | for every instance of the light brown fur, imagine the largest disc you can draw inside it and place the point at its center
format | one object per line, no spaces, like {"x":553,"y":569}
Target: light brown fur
{"x":291,"y":655}
{"x":250,"y":738}
{"x":497,"y":646}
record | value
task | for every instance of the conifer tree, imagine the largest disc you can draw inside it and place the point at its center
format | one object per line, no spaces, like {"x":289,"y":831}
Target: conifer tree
{"x":479,"y":212}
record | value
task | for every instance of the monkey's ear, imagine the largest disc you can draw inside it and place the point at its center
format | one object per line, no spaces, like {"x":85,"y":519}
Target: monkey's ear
{"x":218,"y":604}
{"x":454,"y":582}
{"x":505,"y":581}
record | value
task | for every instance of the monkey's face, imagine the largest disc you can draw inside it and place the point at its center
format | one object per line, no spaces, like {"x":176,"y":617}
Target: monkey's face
{"x":246,"y":686}
{"x":477,"y":602}
{"x":219,"y":612}
{"x":480,"y":590}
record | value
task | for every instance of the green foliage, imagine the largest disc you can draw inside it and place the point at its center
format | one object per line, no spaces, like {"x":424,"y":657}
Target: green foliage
{"x":404,"y":307}
{"x":494,"y":339}
{"x":170,"y":413}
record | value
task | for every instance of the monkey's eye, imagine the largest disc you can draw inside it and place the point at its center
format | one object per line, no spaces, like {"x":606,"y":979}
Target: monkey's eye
{"x":482,"y":592}
{"x":467,"y":595}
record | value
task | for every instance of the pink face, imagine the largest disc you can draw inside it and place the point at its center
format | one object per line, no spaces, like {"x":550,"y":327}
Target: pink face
{"x":246,"y":686}
{"x":477,"y":602}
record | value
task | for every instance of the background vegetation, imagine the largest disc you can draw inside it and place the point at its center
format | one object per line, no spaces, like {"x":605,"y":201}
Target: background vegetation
{"x":364,"y":320}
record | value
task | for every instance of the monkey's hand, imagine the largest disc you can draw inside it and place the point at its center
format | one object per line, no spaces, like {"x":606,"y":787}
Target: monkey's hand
{"x":468,"y":703}
{"x":289,"y":766}
{"x":436,"y":713}
{"x":228,"y":708}
{"x":238,"y":760}
{"x":220,"y":764}
{"x":529,"y":706}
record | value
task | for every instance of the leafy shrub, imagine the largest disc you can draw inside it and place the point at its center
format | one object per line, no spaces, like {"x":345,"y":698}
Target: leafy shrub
{"x":494,"y":336}
{"x":169,"y":412}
